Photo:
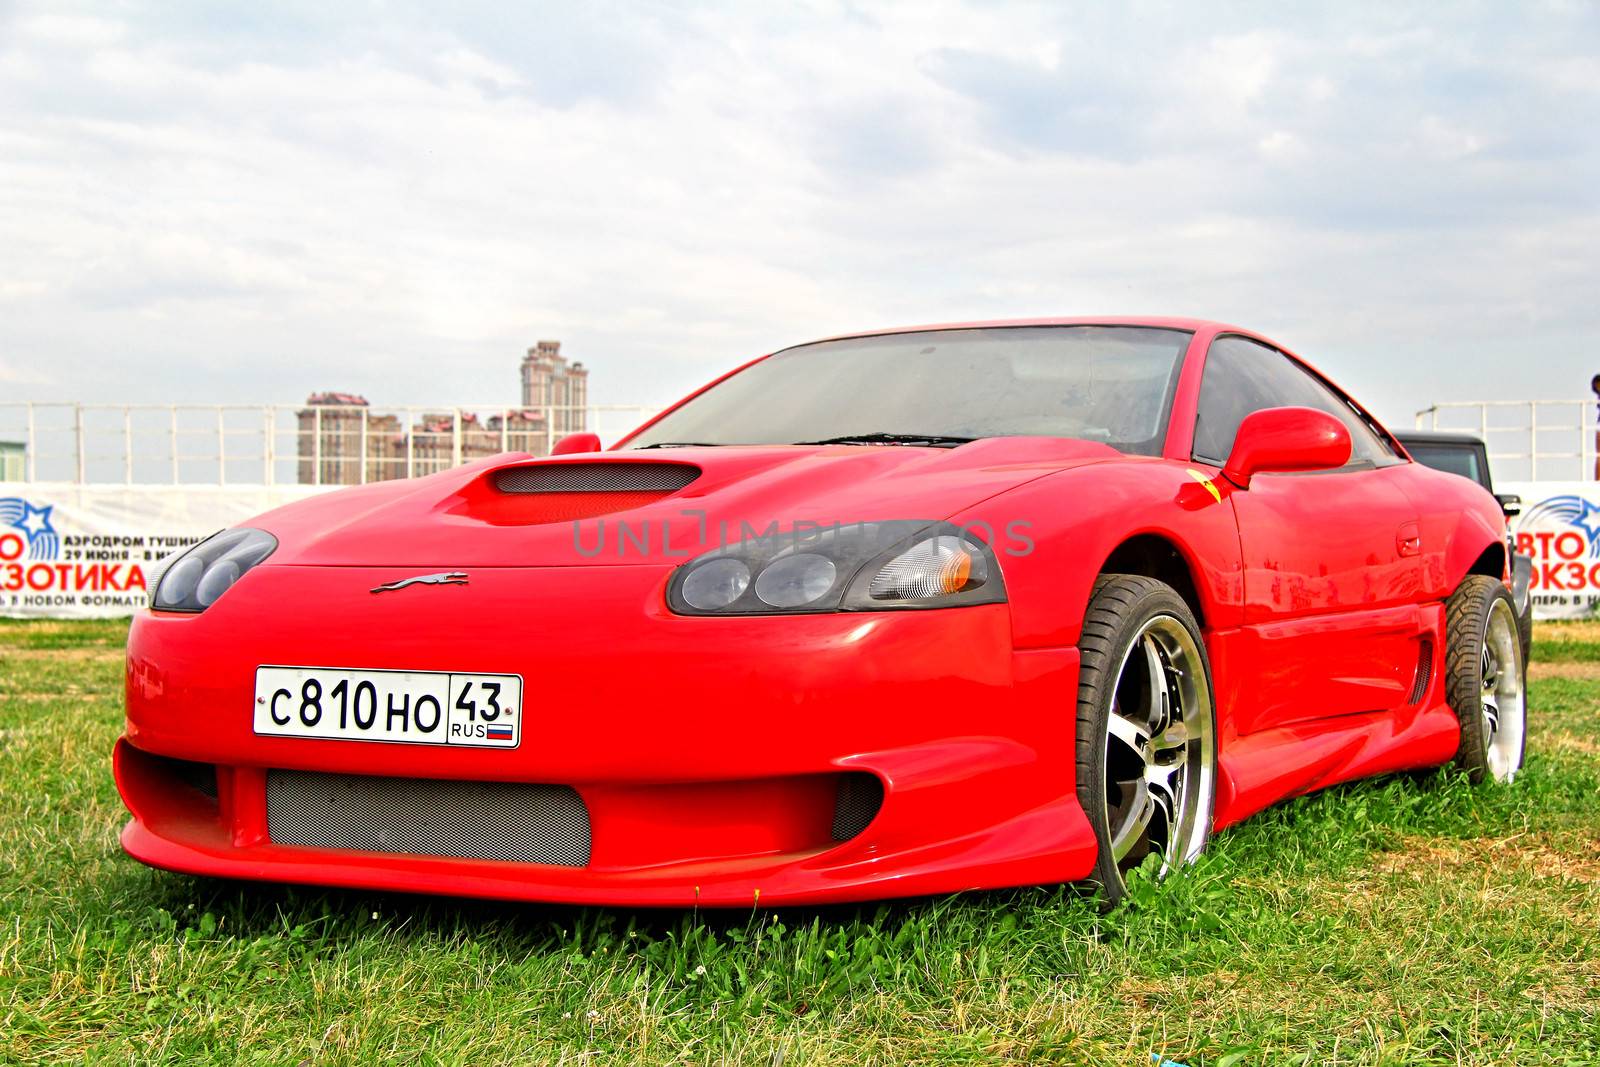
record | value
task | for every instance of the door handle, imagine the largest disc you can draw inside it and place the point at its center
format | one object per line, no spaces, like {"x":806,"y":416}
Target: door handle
{"x":1408,"y":540}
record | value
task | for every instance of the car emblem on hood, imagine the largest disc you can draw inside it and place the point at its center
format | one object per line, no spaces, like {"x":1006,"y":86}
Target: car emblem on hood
{"x":443,"y":578}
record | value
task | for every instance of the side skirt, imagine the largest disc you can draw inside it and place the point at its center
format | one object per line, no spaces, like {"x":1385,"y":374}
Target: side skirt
{"x":1262,"y":768}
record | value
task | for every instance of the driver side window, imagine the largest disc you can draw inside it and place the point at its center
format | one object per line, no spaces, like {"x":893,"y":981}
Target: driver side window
{"x":1242,"y":377}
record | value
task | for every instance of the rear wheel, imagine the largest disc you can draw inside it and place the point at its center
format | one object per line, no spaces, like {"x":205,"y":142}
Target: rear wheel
{"x":1486,"y":679}
{"x":1146,"y":730}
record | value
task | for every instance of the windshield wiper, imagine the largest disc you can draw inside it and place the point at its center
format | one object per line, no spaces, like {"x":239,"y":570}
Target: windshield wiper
{"x":679,"y":444}
{"x":938,"y":440}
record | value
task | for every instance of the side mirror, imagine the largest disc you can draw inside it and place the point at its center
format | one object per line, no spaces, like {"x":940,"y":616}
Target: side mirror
{"x":576,"y":442}
{"x":1510,"y":503}
{"x":1279,"y":440}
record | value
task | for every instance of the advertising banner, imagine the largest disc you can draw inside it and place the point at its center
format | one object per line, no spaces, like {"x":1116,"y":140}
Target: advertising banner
{"x":88,"y":551}
{"x":1560,"y":528}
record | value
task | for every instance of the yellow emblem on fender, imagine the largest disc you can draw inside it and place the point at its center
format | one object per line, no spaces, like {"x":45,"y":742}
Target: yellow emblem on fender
{"x":1211,"y":487}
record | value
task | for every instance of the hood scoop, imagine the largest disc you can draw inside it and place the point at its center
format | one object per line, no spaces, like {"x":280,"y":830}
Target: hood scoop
{"x":596,"y":478}
{"x":539,"y":493}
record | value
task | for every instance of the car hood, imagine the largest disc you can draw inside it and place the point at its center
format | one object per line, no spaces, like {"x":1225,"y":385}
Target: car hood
{"x":627,"y":507}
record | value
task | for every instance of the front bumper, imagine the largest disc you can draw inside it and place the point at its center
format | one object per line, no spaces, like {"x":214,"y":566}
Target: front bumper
{"x":707,"y":752}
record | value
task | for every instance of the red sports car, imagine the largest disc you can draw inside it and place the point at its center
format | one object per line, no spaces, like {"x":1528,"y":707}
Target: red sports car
{"x":895,"y":613}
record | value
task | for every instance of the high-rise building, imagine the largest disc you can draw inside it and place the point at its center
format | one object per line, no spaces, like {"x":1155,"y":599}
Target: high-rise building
{"x":522,"y":431}
{"x":549,"y":381}
{"x":341,"y":442}
{"x":443,"y":440}
{"x":334,"y":438}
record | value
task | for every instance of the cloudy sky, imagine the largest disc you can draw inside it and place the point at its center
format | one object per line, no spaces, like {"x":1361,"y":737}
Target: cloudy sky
{"x":200,"y":203}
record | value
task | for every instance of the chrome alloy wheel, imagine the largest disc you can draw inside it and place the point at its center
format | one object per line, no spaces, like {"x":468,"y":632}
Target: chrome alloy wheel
{"x":1504,"y":702}
{"x":1160,"y":752}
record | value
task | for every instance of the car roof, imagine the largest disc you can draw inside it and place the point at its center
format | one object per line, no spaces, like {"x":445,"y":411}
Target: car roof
{"x":1443,"y":437}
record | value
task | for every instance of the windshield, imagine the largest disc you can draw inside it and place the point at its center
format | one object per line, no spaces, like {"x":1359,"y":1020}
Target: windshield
{"x":1111,"y":384}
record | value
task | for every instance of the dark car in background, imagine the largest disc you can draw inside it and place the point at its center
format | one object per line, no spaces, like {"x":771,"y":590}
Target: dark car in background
{"x":1468,"y":456}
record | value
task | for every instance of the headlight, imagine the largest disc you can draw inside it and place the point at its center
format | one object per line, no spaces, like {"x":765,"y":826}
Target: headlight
{"x":933,"y":567}
{"x":715,"y":584}
{"x":195,"y":580}
{"x":796,"y":580}
{"x":860,"y":567}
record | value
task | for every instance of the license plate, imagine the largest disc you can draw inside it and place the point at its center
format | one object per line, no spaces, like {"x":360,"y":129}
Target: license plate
{"x":412,"y":707}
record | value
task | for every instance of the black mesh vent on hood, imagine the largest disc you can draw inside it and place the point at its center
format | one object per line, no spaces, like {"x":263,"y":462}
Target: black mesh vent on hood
{"x":596,"y":478}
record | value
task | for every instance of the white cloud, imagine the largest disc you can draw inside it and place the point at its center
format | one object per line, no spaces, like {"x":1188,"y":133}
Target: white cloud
{"x":252,"y":206}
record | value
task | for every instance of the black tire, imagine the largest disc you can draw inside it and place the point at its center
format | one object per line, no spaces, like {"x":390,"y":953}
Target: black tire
{"x":1125,"y":610}
{"x":1481,"y":633}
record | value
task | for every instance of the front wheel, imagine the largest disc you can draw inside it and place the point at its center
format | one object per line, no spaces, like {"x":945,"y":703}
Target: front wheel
{"x":1486,"y":679}
{"x":1146,"y":729}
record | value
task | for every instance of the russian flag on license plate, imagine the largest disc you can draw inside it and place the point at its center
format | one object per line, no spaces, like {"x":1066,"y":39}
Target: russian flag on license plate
{"x":499,"y":733}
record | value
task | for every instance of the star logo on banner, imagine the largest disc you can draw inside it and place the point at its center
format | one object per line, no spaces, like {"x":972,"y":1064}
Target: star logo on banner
{"x":1588,"y":520}
{"x":34,"y":521}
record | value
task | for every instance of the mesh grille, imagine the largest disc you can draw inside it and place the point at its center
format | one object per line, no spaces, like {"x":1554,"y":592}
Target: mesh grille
{"x":596,"y":478}
{"x":860,"y":797}
{"x":472,"y":820}
{"x":1419,"y":688}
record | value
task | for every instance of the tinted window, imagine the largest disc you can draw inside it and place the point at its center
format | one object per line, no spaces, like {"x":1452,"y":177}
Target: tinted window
{"x":1242,"y":376}
{"x":1111,"y":384}
{"x":1456,"y":459}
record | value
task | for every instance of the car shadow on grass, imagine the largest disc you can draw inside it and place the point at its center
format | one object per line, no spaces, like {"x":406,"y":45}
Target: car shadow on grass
{"x":1349,"y":820}
{"x":1325,"y":835}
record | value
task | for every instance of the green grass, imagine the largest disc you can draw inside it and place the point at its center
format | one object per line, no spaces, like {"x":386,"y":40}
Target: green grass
{"x":1409,"y":920}
{"x":1575,"y":642}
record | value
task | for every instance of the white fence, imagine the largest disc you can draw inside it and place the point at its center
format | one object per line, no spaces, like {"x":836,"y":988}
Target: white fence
{"x":1529,"y":440}
{"x":277,"y":444}
{"x":345,"y":444}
